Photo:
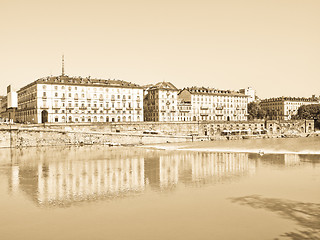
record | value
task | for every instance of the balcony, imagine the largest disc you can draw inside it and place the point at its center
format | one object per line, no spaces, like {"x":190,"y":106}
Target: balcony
{"x":219,"y":108}
{"x":204,"y":114}
{"x":139,"y":108}
{"x":44,"y":97}
{"x":95,"y":108}
{"x":112,"y":99}
{"x":107,"y":108}
{"x":63,"y":98}
{"x":70,"y":108}
{"x":129,"y":108}
{"x":55,"y":107}
{"x":100,"y":99}
{"x":219,"y":114}
{"x":83,"y":108}
{"x":117,"y":108}
{"x":204,"y":108}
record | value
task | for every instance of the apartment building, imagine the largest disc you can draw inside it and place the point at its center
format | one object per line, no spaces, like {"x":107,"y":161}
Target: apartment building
{"x":250,"y":92}
{"x":8,"y":105}
{"x":283,"y":108}
{"x":160,"y":103}
{"x":209,"y":104}
{"x":75,"y":99}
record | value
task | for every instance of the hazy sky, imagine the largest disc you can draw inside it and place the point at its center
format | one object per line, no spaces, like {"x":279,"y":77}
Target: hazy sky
{"x":272,"y":46}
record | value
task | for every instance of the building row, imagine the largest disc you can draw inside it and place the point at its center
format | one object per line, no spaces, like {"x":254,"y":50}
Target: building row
{"x":64,"y":99}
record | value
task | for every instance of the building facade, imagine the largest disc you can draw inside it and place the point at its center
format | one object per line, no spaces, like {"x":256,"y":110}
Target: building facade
{"x":161,"y":103}
{"x":284,"y":108}
{"x":74,"y":99}
{"x":8,"y":105}
{"x":208,"y":104}
{"x":250,"y":92}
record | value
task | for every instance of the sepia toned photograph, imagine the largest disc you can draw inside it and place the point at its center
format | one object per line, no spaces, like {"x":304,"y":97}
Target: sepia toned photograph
{"x":159,"y":120}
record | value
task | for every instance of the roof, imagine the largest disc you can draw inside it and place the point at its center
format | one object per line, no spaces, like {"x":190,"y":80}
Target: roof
{"x":88,"y":81}
{"x":294,"y":99}
{"x":163,"y":86}
{"x":213,"y":91}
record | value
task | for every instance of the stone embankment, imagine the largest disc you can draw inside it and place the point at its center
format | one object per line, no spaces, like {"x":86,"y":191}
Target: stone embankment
{"x":16,"y":137}
{"x":147,"y":133}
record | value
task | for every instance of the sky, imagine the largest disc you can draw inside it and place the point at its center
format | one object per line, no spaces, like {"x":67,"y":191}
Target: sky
{"x":271,"y":46}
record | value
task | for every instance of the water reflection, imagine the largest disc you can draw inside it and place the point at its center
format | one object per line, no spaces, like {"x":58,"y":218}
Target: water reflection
{"x":280,"y":160}
{"x":62,"y":176}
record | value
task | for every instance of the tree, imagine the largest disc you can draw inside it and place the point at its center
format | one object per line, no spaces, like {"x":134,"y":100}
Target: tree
{"x":255,"y":111}
{"x":311,"y":111}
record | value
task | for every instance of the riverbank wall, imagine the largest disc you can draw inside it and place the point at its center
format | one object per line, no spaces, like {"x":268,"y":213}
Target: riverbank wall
{"x":141,"y":133}
{"x":47,"y":137}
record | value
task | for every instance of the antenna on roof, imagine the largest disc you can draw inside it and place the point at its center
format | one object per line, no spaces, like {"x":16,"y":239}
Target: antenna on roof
{"x":62,"y":65}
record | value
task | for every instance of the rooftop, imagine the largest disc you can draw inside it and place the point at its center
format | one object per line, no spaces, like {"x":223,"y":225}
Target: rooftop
{"x":295,"y":99}
{"x":87,"y":81}
{"x":212,"y":91}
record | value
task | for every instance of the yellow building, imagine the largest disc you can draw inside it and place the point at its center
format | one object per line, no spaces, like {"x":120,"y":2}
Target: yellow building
{"x":283,"y":108}
{"x":76,"y":99}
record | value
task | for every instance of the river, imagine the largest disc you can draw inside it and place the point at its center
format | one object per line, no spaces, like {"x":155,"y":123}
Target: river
{"x":250,"y":189}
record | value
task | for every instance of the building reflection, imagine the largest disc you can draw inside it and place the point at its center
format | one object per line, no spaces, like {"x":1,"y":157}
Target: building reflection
{"x":203,"y":168}
{"x":281,"y":160}
{"x":61,"y":177}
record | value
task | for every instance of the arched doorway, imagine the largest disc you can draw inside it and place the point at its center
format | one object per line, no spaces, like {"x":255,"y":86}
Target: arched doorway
{"x":228,"y":118}
{"x":44,"y":116}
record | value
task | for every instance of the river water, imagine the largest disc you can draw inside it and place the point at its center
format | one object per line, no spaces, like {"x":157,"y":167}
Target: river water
{"x":204,"y":190}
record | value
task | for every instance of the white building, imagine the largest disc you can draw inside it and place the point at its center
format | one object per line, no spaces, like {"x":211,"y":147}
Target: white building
{"x":210,"y":104}
{"x":160,"y":103}
{"x":250,"y":92}
{"x":76,"y":99}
